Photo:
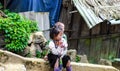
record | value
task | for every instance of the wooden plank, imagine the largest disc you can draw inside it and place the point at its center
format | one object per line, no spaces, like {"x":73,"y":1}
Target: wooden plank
{"x":118,"y":48}
{"x":95,"y":30}
{"x":113,"y":49}
{"x":76,"y":27}
{"x":76,"y":22}
{"x":105,"y":47}
{"x":98,"y":46}
{"x":5,"y":4}
{"x":92,"y":53}
{"x":112,"y":29}
{"x":103,"y":28}
{"x":85,"y":29}
{"x":65,"y":16}
{"x":80,"y":26}
{"x":117,"y":29}
{"x":84,"y":46}
{"x":72,"y":44}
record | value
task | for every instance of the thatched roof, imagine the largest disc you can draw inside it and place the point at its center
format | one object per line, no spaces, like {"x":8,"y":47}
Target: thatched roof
{"x":96,"y":11}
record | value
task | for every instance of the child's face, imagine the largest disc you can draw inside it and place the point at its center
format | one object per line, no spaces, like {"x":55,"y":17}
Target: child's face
{"x":58,"y":37}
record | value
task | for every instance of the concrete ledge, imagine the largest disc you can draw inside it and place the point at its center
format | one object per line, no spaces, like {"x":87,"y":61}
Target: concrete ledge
{"x":91,"y":67}
{"x":12,"y":62}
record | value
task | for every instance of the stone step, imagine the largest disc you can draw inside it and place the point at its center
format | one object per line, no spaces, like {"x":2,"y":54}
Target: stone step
{"x":12,"y":62}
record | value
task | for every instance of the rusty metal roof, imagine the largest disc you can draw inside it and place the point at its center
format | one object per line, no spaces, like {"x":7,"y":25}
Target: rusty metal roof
{"x":96,"y":11}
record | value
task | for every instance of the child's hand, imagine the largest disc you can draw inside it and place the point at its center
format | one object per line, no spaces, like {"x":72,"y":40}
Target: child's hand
{"x":45,"y":58}
{"x":58,"y":43}
{"x":61,"y":44}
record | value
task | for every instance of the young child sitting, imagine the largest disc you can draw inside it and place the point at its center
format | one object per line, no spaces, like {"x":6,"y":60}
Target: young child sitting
{"x":58,"y":50}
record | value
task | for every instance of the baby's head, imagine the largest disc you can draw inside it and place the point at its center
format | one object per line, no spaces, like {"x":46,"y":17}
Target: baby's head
{"x":60,"y":25}
{"x":56,"y":33}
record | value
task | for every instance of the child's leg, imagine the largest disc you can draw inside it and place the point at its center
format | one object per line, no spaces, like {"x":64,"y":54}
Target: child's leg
{"x":66,"y":63}
{"x":68,"y":66}
{"x":56,"y":69}
{"x":56,"y":66}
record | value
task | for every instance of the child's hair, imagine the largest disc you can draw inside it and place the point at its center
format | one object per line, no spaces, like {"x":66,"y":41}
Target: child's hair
{"x":54,"y":31}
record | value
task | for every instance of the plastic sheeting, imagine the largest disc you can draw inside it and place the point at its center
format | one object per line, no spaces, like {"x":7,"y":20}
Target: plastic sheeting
{"x":51,"y":6}
{"x":42,"y":18}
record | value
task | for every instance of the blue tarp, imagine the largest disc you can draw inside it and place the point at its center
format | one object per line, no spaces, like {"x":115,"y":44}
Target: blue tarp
{"x":51,"y":6}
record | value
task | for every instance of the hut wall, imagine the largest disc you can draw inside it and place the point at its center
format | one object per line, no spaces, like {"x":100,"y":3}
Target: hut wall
{"x":102,"y":41}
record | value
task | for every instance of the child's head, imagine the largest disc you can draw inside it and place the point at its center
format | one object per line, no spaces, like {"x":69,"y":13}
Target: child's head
{"x":55,"y":33}
{"x":60,"y":25}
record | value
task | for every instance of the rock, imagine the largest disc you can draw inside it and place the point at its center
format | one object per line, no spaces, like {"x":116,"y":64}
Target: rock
{"x":38,"y":37}
{"x":72,"y":53}
{"x":83,"y":59}
{"x":26,"y":51}
{"x":15,"y":62}
{"x":2,"y":68}
{"x":116,"y":63}
{"x":105,"y":62}
{"x":33,"y":50}
{"x":2,"y":14}
{"x":36,"y":42}
{"x":15,"y":67}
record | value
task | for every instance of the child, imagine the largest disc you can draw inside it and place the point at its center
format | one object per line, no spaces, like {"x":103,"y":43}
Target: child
{"x":62,"y":26}
{"x":58,"y":50}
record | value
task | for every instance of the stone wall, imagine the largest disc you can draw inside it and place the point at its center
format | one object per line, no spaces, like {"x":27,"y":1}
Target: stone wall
{"x":12,"y":62}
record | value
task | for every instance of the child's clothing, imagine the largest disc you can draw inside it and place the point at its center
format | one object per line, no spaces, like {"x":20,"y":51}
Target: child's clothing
{"x":64,"y":36}
{"x":57,"y":52}
{"x":52,"y":59}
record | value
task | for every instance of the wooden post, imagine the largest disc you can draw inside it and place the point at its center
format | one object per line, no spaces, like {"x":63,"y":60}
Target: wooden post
{"x":5,"y":4}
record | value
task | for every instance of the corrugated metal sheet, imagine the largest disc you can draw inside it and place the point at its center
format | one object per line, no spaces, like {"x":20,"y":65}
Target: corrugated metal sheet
{"x":42,"y":18}
{"x":96,"y":11}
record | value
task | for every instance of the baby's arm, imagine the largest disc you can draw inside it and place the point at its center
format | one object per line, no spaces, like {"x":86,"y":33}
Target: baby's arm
{"x":48,"y":50}
{"x":64,"y":52}
{"x":65,"y":48}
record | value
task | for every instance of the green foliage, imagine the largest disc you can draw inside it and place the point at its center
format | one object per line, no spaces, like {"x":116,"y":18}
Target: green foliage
{"x":77,"y":58}
{"x":111,"y":56}
{"x":17,"y":31}
{"x":41,"y":54}
{"x":38,"y":54}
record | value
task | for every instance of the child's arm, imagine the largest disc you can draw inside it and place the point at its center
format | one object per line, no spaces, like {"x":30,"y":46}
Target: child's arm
{"x":64,"y":52}
{"x":47,"y":50}
{"x":45,"y":57}
{"x":51,"y":48}
{"x":65,"y":45}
